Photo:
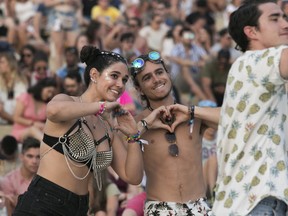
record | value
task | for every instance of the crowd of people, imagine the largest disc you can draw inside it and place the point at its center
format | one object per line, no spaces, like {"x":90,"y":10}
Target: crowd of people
{"x":136,"y":108}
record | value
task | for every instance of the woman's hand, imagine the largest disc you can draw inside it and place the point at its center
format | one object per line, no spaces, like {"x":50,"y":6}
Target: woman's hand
{"x":125,"y":122}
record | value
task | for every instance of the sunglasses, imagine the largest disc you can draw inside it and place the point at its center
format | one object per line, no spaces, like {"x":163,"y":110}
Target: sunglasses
{"x":139,"y":63}
{"x":173,"y":148}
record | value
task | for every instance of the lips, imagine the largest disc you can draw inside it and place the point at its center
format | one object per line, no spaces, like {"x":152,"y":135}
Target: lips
{"x":115,"y":92}
{"x":159,"y":86}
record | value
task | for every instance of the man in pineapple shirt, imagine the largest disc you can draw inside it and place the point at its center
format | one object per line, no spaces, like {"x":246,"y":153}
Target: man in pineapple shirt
{"x":253,"y":130}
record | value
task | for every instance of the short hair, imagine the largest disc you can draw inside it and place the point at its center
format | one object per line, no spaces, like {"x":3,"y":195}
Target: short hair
{"x":126,"y":36}
{"x":223,"y":32}
{"x":72,"y":50}
{"x":74,"y":75}
{"x":28,"y":143}
{"x":194,"y":17}
{"x":246,"y":15}
{"x":9,"y":145}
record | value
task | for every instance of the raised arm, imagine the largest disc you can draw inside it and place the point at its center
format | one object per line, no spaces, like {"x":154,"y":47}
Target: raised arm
{"x":63,"y":108}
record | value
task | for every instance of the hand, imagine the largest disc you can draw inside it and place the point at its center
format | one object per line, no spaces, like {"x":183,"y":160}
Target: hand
{"x":155,"y":119}
{"x":181,"y":114}
{"x":125,"y":122}
{"x":109,"y":108}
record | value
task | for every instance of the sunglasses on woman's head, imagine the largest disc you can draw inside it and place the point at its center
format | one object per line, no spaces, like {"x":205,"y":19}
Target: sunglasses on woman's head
{"x":139,"y":63}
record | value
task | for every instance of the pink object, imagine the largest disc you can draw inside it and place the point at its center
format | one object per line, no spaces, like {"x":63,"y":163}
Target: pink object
{"x":29,"y":112}
{"x":14,"y":183}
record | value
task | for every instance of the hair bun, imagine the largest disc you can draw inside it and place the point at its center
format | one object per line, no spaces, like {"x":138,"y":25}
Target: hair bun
{"x":89,"y":53}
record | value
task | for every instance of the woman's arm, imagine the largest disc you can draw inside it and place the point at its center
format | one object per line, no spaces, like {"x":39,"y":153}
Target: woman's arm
{"x":18,"y":115}
{"x":63,"y":108}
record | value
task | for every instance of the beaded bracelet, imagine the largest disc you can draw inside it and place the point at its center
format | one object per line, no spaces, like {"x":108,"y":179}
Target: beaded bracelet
{"x":133,"y":138}
{"x":102,"y":109}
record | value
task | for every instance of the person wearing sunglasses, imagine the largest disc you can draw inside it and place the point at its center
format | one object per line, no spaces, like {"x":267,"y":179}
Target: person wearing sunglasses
{"x":172,"y":158}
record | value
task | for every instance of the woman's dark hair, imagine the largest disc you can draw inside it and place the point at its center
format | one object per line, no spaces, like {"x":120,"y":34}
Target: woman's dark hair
{"x":246,"y":15}
{"x":95,"y":58}
{"x":36,"y":90}
{"x":9,"y":145}
{"x":29,"y":47}
{"x":40,"y":56}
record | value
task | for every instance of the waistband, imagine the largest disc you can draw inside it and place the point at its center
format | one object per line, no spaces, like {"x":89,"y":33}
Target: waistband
{"x":200,"y":200}
{"x":42,"y":183}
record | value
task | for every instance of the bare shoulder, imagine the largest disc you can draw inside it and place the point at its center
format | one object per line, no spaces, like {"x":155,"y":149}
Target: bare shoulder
{"x":283,"y":64}
{"x":62,"y":97}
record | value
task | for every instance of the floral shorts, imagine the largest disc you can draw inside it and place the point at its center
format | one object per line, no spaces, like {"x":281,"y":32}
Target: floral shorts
{"x":196,"y":208}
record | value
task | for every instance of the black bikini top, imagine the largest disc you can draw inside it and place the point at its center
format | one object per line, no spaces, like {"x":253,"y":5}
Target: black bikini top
{"x":80,"y":147}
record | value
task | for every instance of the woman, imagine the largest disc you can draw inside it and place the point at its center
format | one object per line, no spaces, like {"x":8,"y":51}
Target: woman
{"x":79,"y":140}
{"x":30,"y":111}
{"x":27,"y":55}
{"x":12,"y":84}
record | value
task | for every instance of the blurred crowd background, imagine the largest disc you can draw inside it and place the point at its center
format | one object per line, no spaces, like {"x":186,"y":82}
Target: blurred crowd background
{"x":40,"y":42}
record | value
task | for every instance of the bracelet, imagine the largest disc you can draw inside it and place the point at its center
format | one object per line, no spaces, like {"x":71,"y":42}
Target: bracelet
{"x":102,"y":109}
{"x":191,"y":110}
{"x":144,"y":124}
{"x":133,"y":138}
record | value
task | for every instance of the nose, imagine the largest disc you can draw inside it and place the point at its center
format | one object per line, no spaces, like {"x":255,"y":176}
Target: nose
{"x":120,"y":83}
{"x":155,"y":78}
{"x":285,"y":22}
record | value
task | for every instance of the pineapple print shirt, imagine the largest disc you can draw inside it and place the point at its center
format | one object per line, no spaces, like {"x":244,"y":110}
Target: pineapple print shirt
{"x":252,"y":134}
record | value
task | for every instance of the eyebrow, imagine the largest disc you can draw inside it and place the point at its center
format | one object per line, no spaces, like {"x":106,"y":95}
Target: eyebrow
{"x":275,"y":15}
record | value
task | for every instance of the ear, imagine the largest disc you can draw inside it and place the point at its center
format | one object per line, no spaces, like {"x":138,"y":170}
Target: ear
{"x":94,"y":74}
{"x":139,"y":90}
{"x":250,"y":32}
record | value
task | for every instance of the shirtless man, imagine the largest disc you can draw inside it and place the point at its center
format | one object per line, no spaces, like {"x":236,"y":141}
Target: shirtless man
{"x":172,"y":158}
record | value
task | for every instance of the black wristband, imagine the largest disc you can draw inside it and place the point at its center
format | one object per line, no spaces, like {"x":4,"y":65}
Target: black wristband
{"x":192,"y":110}
{"x":144,"y":124}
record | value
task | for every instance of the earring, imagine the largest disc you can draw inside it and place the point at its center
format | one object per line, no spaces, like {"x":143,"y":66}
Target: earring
{"x":94,"y":81}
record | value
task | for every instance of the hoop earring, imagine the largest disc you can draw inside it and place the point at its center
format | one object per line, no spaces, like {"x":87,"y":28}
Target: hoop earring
{"x":94,"y":81}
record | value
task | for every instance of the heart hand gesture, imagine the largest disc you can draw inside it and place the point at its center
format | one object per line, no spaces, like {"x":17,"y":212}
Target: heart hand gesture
{"x":181,"y":114}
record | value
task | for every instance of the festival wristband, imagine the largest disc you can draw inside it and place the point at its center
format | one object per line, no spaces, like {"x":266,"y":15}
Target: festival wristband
{"x":133,"y":138}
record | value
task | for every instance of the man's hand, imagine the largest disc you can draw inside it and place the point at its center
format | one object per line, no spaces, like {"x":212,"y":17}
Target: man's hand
{"x":181,"y":114}
{"x":159,"y":118}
